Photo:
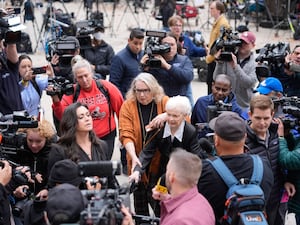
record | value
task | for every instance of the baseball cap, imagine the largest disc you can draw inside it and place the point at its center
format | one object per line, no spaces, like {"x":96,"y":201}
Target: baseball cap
{"x":248,"y":37}
{"x":268,"y":85}
{"x":65,"y":203}
{"x":64,"y":171}
{"x":229,"y":126}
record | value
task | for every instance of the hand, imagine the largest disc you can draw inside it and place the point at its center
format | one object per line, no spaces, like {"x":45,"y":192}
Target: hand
{"x":164,"y":63}
{"x":49,"y":70}
{"x":26,"y":170}
{"x":159,"y":196}
{"x":135,"y":161}
{"x":43,"y":194}
{"x":233,"y":63}
{"x":39,"y":178}
{"x":134,"y":177}
{"x":28,"y":75}
{"x":127,"y":219}
{"x":290,"y":189}
{"x":144,"y":59}
{"x":280,"y":130}
{"x":5,"y":173}
{"x":217,"y":55}
{"x":20,"y":192}
{"x":55,"y":59}
{"x":95,"y":186}
{"x":157,"y":122}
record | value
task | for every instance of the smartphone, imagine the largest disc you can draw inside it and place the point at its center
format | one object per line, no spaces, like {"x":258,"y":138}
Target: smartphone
{"x":39,"y":70}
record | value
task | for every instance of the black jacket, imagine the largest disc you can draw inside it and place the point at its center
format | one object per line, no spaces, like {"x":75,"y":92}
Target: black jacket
{"x":166,"y":146}
{"x":4,"y":206}
{"x":38,"y":163}
{"x":214,"y":189}
{"x":271,"y":152}
{"x":101,"y":57}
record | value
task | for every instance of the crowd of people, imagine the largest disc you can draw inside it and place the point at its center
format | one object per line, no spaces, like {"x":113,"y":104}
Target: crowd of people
{"x":162,"y":132}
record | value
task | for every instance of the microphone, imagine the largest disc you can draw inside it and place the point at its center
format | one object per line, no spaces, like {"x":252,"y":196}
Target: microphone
{"x":99,"y":168}
{"x":161,"y":185}
{"x":20,"y":124}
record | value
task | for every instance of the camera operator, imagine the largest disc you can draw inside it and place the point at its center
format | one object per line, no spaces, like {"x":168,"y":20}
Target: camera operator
{"x":100,"y":54}
{"x":9,"y":76}
{"x":5,"y":177}
{"x":262,"y":139}
{"x":221,"y":91}
{"x":241,"y":69}
{"x":32,"y":85}
{"x":289,"y":159}
{"x":65,"y":69}
{"x":103,"y":102}
{"x":66,"y":202}
{"x":271,"y":87}
{"x":289,"y":73}
{"x":175,"y":72}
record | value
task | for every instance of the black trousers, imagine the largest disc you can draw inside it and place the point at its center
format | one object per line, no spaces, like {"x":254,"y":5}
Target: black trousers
{"x":210,"y":72}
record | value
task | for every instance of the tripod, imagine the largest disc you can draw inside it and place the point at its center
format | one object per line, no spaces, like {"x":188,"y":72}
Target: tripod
{"x":284,"y":21}
{"x":89,"y":14}
{"x":50,"y":17}
{"x":29,"y":15}
{"x":207,"y":21}
{"x":132,"y":13}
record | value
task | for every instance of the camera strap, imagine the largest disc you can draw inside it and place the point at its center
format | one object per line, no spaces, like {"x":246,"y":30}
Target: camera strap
{"x":36,"y":86}
{"x":243,"y":62}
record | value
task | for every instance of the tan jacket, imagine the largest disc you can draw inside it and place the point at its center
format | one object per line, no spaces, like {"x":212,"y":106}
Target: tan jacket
{"x":215,"y":33}
{"x":130,"y":130}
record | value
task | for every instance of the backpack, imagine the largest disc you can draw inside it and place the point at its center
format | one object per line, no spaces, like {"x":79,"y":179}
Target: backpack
{"x":244,"y":199}
{"x":103,"y":90}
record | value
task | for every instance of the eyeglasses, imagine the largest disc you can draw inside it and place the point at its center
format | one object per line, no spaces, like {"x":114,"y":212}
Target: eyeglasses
{"x":177,"y":25}
{"x":140,"y":91}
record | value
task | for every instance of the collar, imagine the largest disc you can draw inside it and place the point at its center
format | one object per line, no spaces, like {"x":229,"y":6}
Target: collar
{"x":178,"y":134}
{"x":174,"y":202}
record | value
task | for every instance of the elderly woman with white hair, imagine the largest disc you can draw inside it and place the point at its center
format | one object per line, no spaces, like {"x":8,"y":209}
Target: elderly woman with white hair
{"x":176,"y":132}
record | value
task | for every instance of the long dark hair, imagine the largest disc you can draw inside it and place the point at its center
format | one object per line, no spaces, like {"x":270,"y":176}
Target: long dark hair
{"x":68,"y":129}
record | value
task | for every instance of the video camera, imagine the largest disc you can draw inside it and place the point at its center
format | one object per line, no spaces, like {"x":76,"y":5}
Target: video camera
{"x":229,"y":42}
{"x":273,"y":54}
{"x":153,"y":47}
{"x":10,"y":26}
{"x":104,"y":206}
{"x":290,"y":107}
{"x":60,"y":85}
{"x":64,"y":47}
{"x":215,"y":110}
{"x":84,"y":30}
{"x":10,"y":140}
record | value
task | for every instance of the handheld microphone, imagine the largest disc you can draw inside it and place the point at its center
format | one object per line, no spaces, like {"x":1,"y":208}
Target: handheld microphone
{"x":161,"y":185}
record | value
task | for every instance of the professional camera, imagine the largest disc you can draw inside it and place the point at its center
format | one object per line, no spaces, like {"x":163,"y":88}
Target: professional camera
{"x":289,"y":111}
{"x":104,"y":206}
{"x":153,"y":47}
{"x":10,"y":27}
{"x":65,"y":48}
{"x":11,"y":140}
{"x":60,"y":86}
{"x":215,"y":110}
{"x":273,"y":54}
{"x":85,"y":29}
{"x":228,"y":42}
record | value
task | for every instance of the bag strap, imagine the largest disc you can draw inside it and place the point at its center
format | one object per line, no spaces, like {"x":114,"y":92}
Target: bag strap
{"x":230,"y":179}
{"x":258,"y":170}
{"x":223,"y":171}
{"x":36,"y":86}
